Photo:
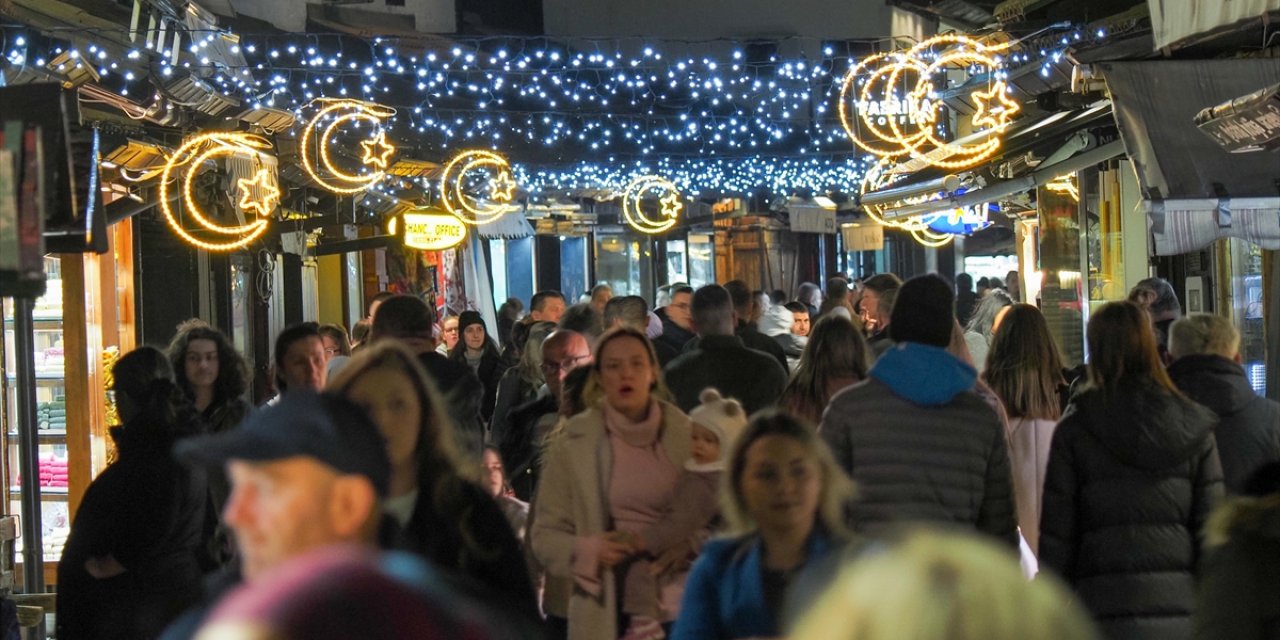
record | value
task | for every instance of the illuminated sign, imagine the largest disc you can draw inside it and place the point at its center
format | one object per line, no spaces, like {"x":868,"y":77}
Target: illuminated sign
{"x":433,"y":231}
{"x":375,"y":150}
{"x":888,"y":102}
{"x":668,"y":200}
{"x":259,"y":193}
{"x":477,"y":168}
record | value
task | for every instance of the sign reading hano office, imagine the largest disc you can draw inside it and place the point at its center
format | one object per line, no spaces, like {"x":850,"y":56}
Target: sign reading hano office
{"x":433,"y":231}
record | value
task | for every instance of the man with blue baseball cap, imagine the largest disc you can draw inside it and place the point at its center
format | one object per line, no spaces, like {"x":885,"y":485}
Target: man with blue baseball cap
{"x":307,"y":472}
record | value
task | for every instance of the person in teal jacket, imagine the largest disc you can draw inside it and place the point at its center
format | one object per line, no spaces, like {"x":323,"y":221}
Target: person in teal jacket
{"x":785,"y":502}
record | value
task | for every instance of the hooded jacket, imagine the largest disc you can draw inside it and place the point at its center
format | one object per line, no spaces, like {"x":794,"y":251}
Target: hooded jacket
{"x":1240,"y":588}
{"x":1130,"y":484}
{"x":776,"y":323}
{"x":922,"y":446}
{"x":1248,"y":431}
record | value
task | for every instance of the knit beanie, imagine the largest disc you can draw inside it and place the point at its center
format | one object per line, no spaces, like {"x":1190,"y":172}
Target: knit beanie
{"x":468,"y":318}
{"x":722,"y":416}
{"x":924,"y":312}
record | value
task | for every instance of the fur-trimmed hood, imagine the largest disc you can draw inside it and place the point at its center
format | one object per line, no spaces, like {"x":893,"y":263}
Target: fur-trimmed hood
{"x":1244,"y":515}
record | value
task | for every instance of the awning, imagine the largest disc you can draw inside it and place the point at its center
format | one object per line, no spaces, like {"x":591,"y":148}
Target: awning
{"x":508,"y":226}
{"x":1175,"y":21}
{"x":1180,"y":169}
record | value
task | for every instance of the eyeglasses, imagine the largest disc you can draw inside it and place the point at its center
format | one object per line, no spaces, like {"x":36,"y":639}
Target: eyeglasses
{"x":331,"y":351}
{"x":568,"y":364}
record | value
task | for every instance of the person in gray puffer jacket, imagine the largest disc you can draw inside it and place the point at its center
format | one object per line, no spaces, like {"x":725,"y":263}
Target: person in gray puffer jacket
{"x":917,"y":440}
{"x":776,"y":324}
{"x":1132,"y":477}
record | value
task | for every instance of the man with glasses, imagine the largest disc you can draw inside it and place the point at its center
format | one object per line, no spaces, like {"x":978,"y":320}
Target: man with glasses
{"x":562,"y":352}
{"x":677,"y":318}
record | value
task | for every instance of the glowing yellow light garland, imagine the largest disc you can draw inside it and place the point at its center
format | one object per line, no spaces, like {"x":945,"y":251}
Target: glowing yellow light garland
{"x":918,"y":225}
{"x":911,"y":119}
{"x":377,"y":151}
{"x":467,"y":208}
{"x":670,"y":204}
{"x":194,"y":153}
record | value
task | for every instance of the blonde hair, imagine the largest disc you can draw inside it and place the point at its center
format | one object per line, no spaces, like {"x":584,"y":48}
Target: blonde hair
{"x":593,"y":395}
{"x":837,"y":489}
{"x":943,"y":586}
{"x":1203,"y":333}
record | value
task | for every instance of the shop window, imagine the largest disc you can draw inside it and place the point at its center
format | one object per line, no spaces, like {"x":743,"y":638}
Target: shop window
{"x":1245,"y":267}
{"x":618,"y":264}
{"x":702,"y":261}
{"x":1062,"y":295}
{"x":677,"y":261}
{"x":573,"y":267}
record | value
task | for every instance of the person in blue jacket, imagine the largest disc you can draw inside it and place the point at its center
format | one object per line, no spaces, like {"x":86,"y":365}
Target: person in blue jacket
{"x":785,"y":500}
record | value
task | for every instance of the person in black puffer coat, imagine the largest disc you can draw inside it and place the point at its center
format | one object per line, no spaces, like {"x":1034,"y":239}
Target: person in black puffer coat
{"x":1206,"y":367}
{"x":1133,"y":475}
{"x":131,"y":564}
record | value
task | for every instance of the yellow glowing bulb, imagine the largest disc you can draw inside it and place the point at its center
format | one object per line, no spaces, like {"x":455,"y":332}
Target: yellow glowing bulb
{"x":465,"y":207}
{"x":263,"y":205}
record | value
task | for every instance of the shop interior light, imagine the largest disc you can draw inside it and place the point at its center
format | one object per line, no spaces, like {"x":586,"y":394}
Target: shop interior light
{"x":187,"y":162}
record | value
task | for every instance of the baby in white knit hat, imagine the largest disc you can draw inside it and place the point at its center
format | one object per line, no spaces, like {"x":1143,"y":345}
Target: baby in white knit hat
{"x":717,"y":422}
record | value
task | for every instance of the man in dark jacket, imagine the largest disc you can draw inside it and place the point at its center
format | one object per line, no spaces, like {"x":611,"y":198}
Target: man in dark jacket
{"x":920,"y":444}
{"x":677,"y":321}
{"x":966,"y":299}
{"x":743,"y":303}
{"x":408,"y":320}
{"x":633,"y":312}
{"x":1207,"y":368}
{"x":721,"y":360}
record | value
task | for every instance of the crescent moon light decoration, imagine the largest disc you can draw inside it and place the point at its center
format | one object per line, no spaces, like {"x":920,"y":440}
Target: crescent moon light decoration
{"x":259,"y":193}
{"x":376,"y":150}
{"x":669,"y":201}
{"x":500,"y":188}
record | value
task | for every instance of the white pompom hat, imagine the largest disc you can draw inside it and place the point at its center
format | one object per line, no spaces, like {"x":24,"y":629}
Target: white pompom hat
{"x":724,"y":417}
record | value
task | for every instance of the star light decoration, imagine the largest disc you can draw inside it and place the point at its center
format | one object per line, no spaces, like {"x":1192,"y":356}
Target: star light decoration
{"x":502,"y":188}
{"x":377,"y":152}
{"x":671,"y":205}
{"x":995,"y":107}
{"x":265,"y":203}
{"x":186,"y":163}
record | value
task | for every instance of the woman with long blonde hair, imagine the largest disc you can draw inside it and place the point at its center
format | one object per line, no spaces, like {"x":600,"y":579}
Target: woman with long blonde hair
{"x":1024,"y":369}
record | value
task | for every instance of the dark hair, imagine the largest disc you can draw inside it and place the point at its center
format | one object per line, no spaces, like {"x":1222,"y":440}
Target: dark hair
{"x":836,"y":349}
{"x":233,"y":374}
{"x":360,"y":331}
{"x":740,"y":293}
{"x":633,"y":311}
{"x":778,"y":296}
{"x":381,"y":296}
{"x":1263,"y":482}
{"x":489,"y":348}
{"x":290,"y":335}
{"x":539,"y":300}
{"x":712,"y":307}
{"x":964,"y":282}
{"x":584,"y":319}
{"x":882,"y":282}
{"x":1122,"y":350}
{"x":804,"y":293}
{"x":338,"y":334}
{"x":164,"y":413}
{"x":573,"y":391}
{"x":403,"y":317}
{"x":984,"y":315}
{"x":797,"y":307}
{"x":684,"y":288}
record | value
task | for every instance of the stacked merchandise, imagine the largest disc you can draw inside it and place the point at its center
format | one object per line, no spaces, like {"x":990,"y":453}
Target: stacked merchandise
{"x":53,"y":472}
{"x":52,"y":416}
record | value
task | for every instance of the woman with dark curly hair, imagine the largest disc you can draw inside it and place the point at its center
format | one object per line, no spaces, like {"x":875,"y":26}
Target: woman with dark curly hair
{"x":211,"y":373}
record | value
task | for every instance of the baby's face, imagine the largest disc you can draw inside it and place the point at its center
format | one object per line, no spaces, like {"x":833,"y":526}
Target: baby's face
{"x":706,"y":446}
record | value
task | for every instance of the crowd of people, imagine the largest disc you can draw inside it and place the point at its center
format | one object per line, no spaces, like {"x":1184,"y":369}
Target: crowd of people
{"x":877,"y":459}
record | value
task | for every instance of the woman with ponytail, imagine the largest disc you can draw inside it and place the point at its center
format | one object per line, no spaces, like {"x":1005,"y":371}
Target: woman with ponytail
{"x":130,"y":565}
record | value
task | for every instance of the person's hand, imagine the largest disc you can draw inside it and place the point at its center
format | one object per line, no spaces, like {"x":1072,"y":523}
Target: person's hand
{"x":673,"y":560}
{"x":615,"y":547}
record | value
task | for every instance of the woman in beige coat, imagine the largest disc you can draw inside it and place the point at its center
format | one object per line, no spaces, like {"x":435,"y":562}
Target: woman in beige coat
{"x":612,"y":469}
{"x":1025,"y":371}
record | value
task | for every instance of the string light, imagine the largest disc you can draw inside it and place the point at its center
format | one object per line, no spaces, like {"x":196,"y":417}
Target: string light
{"x":669,"y":202}
{"x":193,"y":153}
